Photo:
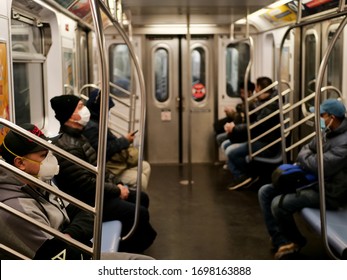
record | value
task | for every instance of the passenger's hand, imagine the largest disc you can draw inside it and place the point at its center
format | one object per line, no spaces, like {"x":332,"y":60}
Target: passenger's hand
{"x":228,"y":127}
{"x":124,"y":191}
{"x":130,"y":136}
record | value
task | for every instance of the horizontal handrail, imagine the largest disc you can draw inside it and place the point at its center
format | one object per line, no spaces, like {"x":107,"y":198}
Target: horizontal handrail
{"x":48,"y":229}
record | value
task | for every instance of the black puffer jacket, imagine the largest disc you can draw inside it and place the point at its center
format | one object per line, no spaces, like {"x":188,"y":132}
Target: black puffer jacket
{"x":334,"y":161}
{"x":75,"y":179}
{"x":239,"y":133}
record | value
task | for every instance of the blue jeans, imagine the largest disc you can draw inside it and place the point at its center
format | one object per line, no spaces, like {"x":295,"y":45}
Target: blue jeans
{"x":225,"y":144}
{"x":220,"y":138}
{"x":236,"y":154}
{"x":278,"y":212}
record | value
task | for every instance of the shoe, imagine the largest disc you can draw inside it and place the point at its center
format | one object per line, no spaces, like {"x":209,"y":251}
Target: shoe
{"x":287,"y":249}
{"x":252,"y":182}
{"x":239,"y":182}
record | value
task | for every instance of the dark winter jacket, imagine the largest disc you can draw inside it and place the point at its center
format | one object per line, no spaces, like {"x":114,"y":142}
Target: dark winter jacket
{"x":76,"y":180}
{"x":45,"y":208}
{"x":239,"y":133}
{"x":334,"y":161}
{"x":114,"y":145}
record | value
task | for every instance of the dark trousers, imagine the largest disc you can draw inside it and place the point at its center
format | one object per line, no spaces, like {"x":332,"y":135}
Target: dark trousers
{"x":124,"y":211}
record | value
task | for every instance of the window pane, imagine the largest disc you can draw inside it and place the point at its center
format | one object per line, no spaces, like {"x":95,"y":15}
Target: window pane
{"x":334,"y":67}
{"x":161,"y":60}
{"x":27,"y":76}
{"x":310,"y":66}
{"x":237,"y":58}
{"x":120,"y":69}
{"x":25,"y":37}
{"x":198,"y":69}
{"x":28,"y":93}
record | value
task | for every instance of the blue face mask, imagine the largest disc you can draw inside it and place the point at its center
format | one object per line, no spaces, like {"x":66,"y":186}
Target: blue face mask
{"x":322,"y":124}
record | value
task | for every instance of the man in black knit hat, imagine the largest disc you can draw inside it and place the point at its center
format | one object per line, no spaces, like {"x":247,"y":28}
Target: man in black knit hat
{"x":119,"y":201}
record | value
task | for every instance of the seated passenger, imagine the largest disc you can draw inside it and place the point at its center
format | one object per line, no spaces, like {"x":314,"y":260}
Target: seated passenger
{"x":114,"y":145}
{"x":39,"y":204}
{"x":231,"y":115}
{"x":278,"y":209}
{"x":119,"y":201}
{"x":237,"y":152}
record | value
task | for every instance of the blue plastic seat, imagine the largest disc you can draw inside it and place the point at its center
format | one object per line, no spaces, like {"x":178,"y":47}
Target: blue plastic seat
{"x":336,"y":227}
{"x":111,"y":234}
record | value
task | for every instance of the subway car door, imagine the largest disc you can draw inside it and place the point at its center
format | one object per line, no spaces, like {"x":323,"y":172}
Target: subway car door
{"x":179,"y":100}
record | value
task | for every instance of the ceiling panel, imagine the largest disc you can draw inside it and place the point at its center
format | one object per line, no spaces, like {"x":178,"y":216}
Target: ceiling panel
{"x":201,"y":11}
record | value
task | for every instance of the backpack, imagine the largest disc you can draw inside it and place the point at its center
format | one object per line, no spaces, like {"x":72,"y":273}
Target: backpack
{"x":287,"y":178}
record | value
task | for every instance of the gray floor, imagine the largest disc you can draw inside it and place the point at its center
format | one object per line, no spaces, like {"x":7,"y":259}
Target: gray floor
{"x":207,"y":221}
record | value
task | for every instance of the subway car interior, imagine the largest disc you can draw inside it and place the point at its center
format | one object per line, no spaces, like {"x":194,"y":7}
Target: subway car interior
{"x":171,"y":68}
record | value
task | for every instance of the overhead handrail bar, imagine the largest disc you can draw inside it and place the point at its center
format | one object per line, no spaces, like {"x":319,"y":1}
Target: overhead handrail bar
{"x":319,"y":141}
{"x":142,"y":111}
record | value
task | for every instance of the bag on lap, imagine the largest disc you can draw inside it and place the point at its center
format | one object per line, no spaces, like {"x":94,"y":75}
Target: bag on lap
{"x":127,"y":158}
{"x":287,"y":178}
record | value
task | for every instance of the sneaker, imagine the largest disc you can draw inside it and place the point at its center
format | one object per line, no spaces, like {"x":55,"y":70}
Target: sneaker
{"x":252,"y":182}
{"x":239,"y":182}
{"x":286,"y":250}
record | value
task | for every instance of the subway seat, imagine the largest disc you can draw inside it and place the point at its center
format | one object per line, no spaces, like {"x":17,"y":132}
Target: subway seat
{"x":110,"y":237}
{"x":336,"y":227}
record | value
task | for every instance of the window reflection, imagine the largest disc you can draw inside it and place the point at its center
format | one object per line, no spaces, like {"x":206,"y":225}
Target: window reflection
{"x":237,"y":57}
{"x":161,"y":68}
{"x":310,"y":66}
{"x":334,"y":67}
{"x":27,"y":43}
{"x":120,"y":69}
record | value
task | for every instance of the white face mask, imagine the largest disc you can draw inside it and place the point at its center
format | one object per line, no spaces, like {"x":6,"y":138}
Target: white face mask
{"x":85,"y":116}
{"x":48,"y":168}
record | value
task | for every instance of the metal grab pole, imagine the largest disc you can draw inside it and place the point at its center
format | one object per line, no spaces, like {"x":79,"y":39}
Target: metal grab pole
{"x":319,"y":143}
{"x":101,"y":162}
{"x":189,"y":181}
{"x":142,"y":113}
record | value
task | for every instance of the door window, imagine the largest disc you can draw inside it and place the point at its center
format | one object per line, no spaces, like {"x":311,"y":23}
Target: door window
{"x":198,"y":70}
{"x":237,"y":57}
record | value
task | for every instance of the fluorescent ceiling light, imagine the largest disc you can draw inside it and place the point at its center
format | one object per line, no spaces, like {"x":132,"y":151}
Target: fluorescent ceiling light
{"x":180,"y":25}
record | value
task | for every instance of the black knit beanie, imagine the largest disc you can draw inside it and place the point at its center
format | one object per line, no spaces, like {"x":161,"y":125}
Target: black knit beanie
{"x":64,"y":106}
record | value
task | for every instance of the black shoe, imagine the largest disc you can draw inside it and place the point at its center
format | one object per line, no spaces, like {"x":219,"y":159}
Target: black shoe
{"x":240,"y":182}
{"x":251,"y":183}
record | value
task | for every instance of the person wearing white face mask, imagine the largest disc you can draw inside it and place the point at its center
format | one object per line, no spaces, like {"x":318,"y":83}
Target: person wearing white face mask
{"x":119,"y":201}
{"x":39,"y":204}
